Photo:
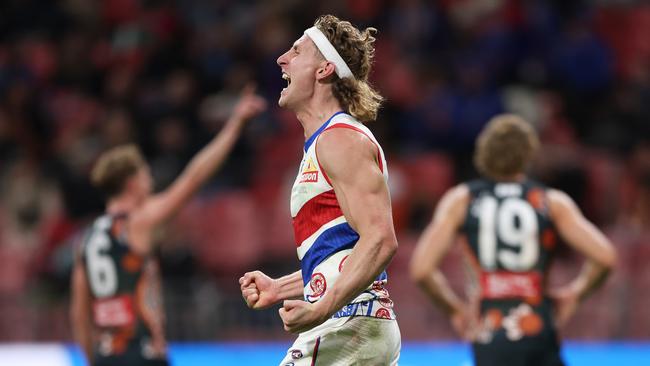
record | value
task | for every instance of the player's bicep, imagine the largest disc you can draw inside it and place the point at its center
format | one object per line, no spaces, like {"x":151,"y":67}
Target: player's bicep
{"x":161,"y":206}
{"x":155,"y":211}
{"x":579,"y":232}
{"x":367,"y":203}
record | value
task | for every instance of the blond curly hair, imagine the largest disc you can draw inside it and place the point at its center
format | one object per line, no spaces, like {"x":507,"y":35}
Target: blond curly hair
{"x":357,"y":49}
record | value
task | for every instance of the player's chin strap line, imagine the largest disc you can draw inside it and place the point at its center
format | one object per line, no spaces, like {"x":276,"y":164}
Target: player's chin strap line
{"x":329,"y":52}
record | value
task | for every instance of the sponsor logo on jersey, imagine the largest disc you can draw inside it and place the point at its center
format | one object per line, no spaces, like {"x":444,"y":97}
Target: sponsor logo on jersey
{"x":114,"y":312}
{"x":499,"y":285}
{"x":522,"y":321}
{"x":309,"y":172}
{"x":296,"y":354}
{"x":317,"y":284}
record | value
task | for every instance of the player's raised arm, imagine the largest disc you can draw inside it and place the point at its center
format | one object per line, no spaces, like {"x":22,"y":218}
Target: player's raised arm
{"x":80,"y":310}
{"x":161,"y":206}
{"x":583,"y":236}
{"x":350,"y":160}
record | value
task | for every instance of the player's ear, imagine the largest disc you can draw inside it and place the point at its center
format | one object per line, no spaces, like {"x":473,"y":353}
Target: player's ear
{"x":326,"y":70}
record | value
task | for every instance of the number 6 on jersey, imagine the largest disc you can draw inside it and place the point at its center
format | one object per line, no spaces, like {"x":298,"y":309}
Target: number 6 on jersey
{"x":102,"y":273}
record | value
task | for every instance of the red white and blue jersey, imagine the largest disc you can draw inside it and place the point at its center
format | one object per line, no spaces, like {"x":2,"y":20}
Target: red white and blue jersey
{"x":323,"y":235}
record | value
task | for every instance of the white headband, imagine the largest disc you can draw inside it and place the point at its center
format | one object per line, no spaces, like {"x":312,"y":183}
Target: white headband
{"x":329,"y":52}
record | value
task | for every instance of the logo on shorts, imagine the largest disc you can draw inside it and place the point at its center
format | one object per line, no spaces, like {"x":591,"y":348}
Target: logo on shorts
{"x":318,"y":284}
{"x":378,"y":285}
{"x":383,"y":313}
{"x":296,"y":354}
{"x":386,"y":302}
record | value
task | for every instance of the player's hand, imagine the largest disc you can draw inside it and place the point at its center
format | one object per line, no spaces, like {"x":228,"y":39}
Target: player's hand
{"x":299,"y":316}
{"x":566,"y":301}
{"x":249,"y":105}
{"x":462,"y":323}
{"x":258,"y":290}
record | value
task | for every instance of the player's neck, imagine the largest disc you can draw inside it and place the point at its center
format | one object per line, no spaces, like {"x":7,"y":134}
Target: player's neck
{"x":121,"y":204}
{"x":316,"y":111}
{"x":516,"y":178}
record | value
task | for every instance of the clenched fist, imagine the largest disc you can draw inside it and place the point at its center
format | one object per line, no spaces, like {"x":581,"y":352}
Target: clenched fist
{"x":258,"y":290}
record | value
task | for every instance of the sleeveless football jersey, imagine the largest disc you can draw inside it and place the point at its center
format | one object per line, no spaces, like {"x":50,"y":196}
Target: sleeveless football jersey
{"x":511,"y":239}
{"x":125,"y":291}
{"x":323,"y":235}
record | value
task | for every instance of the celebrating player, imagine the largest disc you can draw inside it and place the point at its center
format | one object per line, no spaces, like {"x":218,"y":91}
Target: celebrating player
{"x":510,"y":224}
{"x":116,"y":308}
{"x":340,"y":207}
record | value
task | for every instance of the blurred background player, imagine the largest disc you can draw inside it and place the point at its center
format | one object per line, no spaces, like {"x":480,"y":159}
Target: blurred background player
{"x":116,"y":308}
{"x":509,"y":224}
{"x":340,"y":207}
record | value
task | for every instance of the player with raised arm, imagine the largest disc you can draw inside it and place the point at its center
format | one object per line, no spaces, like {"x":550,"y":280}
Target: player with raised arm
{"x":116,"y":309}
{"x":510,"y":225}
{"x":340,"y":207}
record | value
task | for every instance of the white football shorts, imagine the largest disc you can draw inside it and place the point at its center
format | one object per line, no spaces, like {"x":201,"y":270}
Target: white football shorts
{"x":347,"y":341}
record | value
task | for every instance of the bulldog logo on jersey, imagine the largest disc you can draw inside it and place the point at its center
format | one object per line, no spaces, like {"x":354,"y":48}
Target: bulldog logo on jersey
{"x":309,"y":172}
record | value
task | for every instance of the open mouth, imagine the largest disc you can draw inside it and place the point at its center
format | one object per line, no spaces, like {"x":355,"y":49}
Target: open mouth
{"x":286,"y":77}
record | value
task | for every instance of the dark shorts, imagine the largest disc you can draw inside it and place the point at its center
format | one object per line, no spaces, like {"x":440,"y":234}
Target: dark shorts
{"x":495,"y":355}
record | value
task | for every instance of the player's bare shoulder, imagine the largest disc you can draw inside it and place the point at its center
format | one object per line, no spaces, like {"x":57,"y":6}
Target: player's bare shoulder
{"x":342,"y":149}
{"x":560,"y":204}
{"x":454,"y":202}
{"x":346,"y":142}
{"x":458,"y":194}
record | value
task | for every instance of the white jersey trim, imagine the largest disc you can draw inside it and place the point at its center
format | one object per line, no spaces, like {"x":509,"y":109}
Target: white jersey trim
{"x":307,"y":243}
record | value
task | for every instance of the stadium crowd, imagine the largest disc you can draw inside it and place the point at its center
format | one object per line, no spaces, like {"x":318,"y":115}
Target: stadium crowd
{"x":78,"y":77}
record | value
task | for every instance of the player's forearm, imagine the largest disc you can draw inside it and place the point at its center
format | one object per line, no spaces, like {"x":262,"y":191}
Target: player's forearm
{"x":591,"y":277}
{"x":80,"y":317}
{"x":290,"y":286}
{"x":83,"y":336}
{"x":438,"y":290}
{"x":87,"y":348}
{"x":368,"y":259}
